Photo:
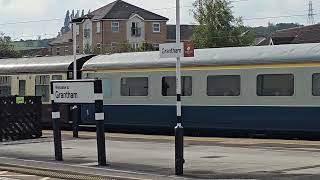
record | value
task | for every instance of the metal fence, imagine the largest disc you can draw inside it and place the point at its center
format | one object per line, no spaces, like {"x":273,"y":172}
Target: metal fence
{"x":20,"y":118}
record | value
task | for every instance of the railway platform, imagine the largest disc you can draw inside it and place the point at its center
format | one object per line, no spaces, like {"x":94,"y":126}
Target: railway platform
{"x":152,"y":157}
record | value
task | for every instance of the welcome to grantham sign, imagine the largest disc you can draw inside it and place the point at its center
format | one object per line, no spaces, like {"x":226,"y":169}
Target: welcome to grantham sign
{"x":68,"y":92}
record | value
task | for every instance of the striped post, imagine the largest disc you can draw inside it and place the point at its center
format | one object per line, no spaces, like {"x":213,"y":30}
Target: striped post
{"x":56,"y":129}
{"x":99,"y":117}
{"x":179,"y":132}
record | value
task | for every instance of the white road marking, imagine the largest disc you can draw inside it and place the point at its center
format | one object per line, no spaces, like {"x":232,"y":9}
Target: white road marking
{"x":46,"y":178}
{"x":16,"y":175}
{"x":3,"y":172}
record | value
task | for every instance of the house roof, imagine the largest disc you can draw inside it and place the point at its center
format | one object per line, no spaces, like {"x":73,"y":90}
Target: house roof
{"x":297,"y":35}
{"x":186,"y":32}
{"x":63,"y":39}
{"x":122,"y":10}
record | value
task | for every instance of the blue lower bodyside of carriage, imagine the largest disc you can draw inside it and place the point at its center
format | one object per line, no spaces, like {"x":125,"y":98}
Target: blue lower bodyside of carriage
{"x":259,"y":118}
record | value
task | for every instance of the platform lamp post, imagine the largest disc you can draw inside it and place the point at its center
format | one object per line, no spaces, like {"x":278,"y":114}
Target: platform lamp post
{"x":179,"y":131}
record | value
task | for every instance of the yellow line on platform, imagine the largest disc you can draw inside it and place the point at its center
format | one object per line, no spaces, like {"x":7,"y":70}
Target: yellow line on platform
{"x":226,"y":141}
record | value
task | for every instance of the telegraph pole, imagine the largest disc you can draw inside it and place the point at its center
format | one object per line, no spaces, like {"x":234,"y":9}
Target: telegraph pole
{"x":179,"y":132}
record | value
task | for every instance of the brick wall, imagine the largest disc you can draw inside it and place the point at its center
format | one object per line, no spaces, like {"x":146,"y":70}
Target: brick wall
{"x":156,"y":37}
{"x":96,"y":37}
{"x":64,"y":49}
{"x":109,"y":36}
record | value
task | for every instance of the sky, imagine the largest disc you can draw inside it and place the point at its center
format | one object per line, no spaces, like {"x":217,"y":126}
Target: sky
{"x":14,"y":11}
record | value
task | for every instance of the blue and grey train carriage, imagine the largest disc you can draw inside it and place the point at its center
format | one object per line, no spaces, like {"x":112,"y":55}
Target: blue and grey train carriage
{"x":258,"y":90}
{"x":31,"y":77}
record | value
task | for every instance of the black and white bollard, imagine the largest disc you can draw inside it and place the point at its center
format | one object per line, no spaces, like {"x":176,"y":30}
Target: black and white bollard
{"x":75,"y":121}
{"x":56,"y":132}
{"x":99,"y":117}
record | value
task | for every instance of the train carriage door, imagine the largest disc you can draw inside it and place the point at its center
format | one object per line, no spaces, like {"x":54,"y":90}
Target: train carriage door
{"x":22,"y":87}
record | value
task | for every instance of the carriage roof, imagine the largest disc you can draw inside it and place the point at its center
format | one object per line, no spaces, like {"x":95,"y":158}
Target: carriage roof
{"x":293,"y":53}
{"x":39,"y":64}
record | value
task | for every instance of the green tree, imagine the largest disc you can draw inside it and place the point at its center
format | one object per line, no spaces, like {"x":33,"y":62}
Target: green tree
{"x":217,"y":25}
{"x":87,"y":49}
{"x":145,"y":46}
{"x":6,"y":48}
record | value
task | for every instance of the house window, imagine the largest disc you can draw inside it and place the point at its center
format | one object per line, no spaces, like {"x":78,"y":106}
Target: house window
{"x":155,"y":47}
{"x":135,"y":45}
{"x":86,"y":33}
{"x":114,"y":45}
{"x":115,"y":26}
{"x":156,"y":27}
{"x":42,"y":85}
{"x":5,"y":86}
{"x":77,"y":29}
{"x":98,"y":45}
{"x":134,"y":86}
{"x":78,"y":49}
{"x":275,"y":85}
{"x":135,"y":30}
{"x":226,"y":85}
{"x":58,"y":51}
{"x":169,"y":86}
{"x":98,"y":27}
{"x":66,"y":50}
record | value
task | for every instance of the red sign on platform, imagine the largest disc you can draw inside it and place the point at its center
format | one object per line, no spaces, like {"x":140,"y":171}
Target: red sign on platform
{"x":188,"y":49}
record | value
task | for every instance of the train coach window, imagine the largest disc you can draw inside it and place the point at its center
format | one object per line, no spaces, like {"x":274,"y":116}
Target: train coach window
{"x":223,"y":85}
{"x":42,"y":87}
{"x":134,"y":86}
{"x":275,"y":85}
{"x":56,"y":77}
{"x":169,"y":86}
{"x":316,"y":84}
{"x":5,"y":86}
{"x":106,"y":85}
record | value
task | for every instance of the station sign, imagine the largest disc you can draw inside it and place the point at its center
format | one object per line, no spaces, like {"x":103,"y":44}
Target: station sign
{"x":172,"y":50}
{"x":71,"y":92}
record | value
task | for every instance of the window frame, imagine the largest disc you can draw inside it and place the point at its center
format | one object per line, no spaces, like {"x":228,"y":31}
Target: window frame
{"x":66,"y":49}
{"x":9,"y":84}
{"x":153,"y":27}
{"x":39,"y":84}
{"x":312,"y":85}
{"x":115,"y":26}
{"x":186,"y":76}
{"x":98,"y":27}
{"x":58,"y":51}
{"x":257,"y":85}
{"x":222,"y":75}
{"x":131,"y":77}
{"x":77,"y":29}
